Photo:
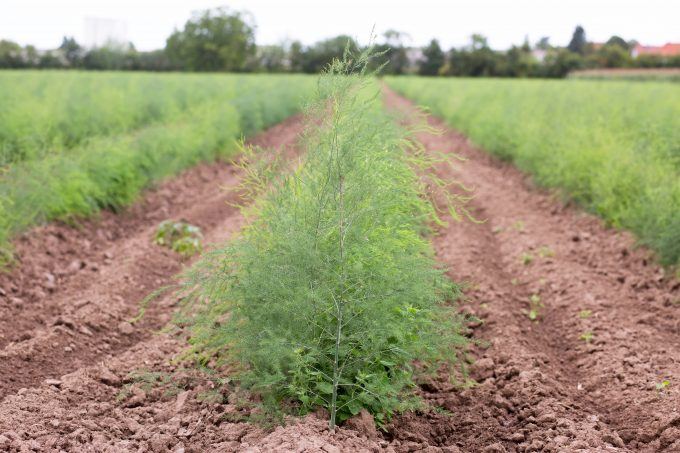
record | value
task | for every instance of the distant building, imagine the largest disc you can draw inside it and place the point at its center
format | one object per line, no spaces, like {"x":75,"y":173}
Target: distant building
{"x":668,"y":50}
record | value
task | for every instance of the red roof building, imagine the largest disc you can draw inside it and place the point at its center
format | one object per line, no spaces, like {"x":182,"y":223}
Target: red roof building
{"x":668,"y":50}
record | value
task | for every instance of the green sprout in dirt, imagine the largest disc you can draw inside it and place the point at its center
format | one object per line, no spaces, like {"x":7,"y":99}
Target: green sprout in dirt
{"x":585,"y":314}
{"x":662,"y":386}
{"x":526,"y":258}
{"x":180,"y":237}
{"x":587,"y":336}
{"x":546,"y":252}
{"x":332,"y":293}
{"x":519,"y":225}
{"x":535,"y":306}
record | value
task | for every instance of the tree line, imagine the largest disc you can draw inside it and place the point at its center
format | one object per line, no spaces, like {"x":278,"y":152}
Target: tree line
{"x":224,"y":40}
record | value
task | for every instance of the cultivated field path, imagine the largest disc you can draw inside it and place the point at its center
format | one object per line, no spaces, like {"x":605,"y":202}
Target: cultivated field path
{"x":589,"y":373}
{"x":586,"y":376}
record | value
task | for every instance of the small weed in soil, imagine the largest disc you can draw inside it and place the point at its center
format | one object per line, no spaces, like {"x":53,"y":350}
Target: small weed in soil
{"x":535,"y":305}
{"x":180,"y":237}
{"x":546,"y":252}
{"x":587,"y":336}
{"x":585,"y":314}
{"x":662,"y":386}
{"x":526,"y":258}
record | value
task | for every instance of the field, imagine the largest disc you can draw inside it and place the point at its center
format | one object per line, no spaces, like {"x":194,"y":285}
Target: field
{"x":74,"y":143}
{"x":639,"y":74}
{"x":360,"y":277}
{"x":610,"y":146}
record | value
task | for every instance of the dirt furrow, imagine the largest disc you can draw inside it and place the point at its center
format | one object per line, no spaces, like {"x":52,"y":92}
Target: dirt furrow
{"x":586,"y":373}
{"x":82,"y":313}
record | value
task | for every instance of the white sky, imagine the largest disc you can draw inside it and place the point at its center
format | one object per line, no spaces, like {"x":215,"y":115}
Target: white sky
{"x":147,"y":23}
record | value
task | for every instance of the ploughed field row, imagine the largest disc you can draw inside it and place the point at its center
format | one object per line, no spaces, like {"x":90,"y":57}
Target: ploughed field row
{"x":578,"y":330}
{"x":73,"y":143}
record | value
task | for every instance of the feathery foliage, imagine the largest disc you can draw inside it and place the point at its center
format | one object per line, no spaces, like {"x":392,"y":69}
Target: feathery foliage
{"x":332,"y":293}
{"x":613,"y":146}
{"x":99,"y":139}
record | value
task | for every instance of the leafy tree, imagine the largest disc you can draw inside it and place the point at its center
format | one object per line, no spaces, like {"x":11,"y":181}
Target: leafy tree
{"x":433,"y":59}
{"x":613,"y":56}
{"x":112,"y":57}
{"x":561,"y":62}
{"x":296,"y":56}
{"x":475,"y":60}
{"x":520,"y":62}
{"x":213,"y":40}
{"x":11,"y":55}
{"x":618,"y":41}
{"x":72,"y":51}
{"x":397,"y":60}
{"x":51,"y":59}
{"x":155,"y":60}
{"x":543,"y":43}
{"x":578,"y":41}
{"x":320,"y":55}
{"x":269,"y":59}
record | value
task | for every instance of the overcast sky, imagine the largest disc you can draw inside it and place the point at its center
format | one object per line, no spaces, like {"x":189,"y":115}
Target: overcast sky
{"x":147,"y":23}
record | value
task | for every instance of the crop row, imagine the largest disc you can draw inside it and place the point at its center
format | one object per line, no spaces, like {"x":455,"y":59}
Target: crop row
{"x":610,"y":145}
{"x":332,"y":293}
{"x":109,"y":158}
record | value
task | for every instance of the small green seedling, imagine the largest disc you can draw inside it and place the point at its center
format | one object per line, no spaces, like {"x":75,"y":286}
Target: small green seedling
{"x":585,"y":314}
{"x":442,"y":411}
{"x":180,"y":237}
{"x":546,"y":252}
{"x":498,"y":229}
{"x":662,"y":387}
{"x":535,"y":305}
{"x":514,"y":282}
{"x":587,"y":336}
{"x":518,"y":225}
{"x":526,"y":258}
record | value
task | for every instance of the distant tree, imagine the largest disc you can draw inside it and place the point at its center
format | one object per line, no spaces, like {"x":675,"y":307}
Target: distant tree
{"x":318,"y":56}
{"x":270,"y":58}
{"x":618,"y":41}
{"x":478,"y":42}
{"x":112,"y":57}
{"x":520,"y":62}
{"x":296,"y":57}
{"x":397,"y":59}
{"x":433,"y":59}
{"x":613,"y":56}
{"x":561,"y":62}
{"x":475,"y":60}
{"x":51,"y":60}
{"x":72,"y":51}
{"x":543,"y":43}
{"x":11,"y":55}
{"x":155,"y":60}
{"x":213,"y":40}
{"x":578,"y":41}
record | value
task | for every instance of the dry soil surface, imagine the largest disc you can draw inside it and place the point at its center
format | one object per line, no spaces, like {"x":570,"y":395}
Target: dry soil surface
{"x":586,"y":375}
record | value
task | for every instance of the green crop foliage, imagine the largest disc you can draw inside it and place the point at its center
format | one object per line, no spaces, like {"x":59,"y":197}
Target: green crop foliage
{"x":180,"y":237}
{"x":332,"y":293}
{"x":82,"y":153}
{"x":610,"y":145}
{"x":587,"y":336}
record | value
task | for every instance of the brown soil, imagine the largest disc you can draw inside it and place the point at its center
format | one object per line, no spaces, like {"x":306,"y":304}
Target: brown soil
{"x":68,"y":351}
